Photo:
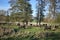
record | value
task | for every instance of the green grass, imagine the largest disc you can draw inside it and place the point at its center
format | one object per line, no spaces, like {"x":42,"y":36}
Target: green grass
{"x":33,"y":29}
{"x":33,"y":33}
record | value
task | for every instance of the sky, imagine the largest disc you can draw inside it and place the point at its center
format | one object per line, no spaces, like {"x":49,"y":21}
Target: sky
{"x":33,"y":2}
{"x":4,"y":5}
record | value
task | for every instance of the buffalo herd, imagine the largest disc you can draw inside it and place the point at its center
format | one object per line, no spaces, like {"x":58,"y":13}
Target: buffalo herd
{"x":45,"y":26}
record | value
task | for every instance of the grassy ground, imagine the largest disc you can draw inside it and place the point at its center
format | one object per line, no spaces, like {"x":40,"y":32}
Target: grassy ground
{"x":33,"y":33}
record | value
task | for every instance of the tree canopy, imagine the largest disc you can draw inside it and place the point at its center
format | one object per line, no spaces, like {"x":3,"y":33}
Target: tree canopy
{"x":21,"y":10}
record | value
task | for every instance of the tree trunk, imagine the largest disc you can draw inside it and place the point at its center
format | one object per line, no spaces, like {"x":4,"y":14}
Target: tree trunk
{"x":26,"y":22}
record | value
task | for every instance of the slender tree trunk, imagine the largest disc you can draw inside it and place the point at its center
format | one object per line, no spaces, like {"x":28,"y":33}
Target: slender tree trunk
{"x":26,"y":22}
